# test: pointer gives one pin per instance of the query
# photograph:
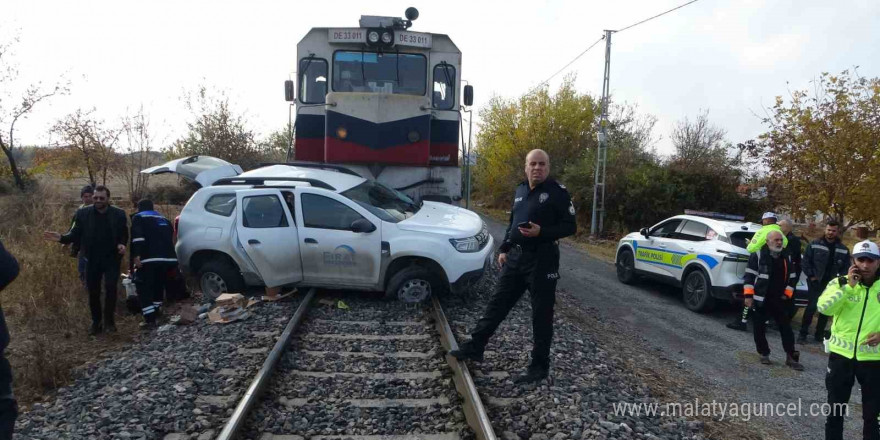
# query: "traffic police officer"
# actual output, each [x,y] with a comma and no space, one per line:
[854,302]
[542,213]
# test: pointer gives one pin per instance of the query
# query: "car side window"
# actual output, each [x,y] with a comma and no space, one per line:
[326,213]
[693,231]
[264,211]
[221,204]
[291,206]
[666,230]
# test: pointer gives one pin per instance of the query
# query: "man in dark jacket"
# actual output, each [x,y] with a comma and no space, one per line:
[793,248]
[85,194]
[826,258]
[102,232]
[542,214]
[768,287]
[8,406]
[152,251]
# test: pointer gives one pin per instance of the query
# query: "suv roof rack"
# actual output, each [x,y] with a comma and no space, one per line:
[318,165]
[715,215]
[260,181]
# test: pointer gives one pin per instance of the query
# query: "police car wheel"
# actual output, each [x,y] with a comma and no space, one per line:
[217,277]
[696,291]
[413,284]
[626,267]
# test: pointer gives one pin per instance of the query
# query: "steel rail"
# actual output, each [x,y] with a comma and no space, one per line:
[474,411]
[234,424]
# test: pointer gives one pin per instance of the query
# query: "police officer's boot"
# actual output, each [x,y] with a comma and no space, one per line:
[738,325]
[535,373]
[469,350]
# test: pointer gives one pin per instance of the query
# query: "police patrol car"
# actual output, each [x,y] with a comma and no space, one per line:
[704,253]
[321,225]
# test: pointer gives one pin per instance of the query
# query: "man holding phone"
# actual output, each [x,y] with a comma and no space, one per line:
[542,214]
[824,260]
[854,302]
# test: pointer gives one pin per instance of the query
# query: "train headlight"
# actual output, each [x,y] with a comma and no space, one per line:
[386,37]
[341,133]
[373,37]
[414,136]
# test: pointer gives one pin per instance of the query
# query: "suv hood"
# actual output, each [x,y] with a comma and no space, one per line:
[440,218]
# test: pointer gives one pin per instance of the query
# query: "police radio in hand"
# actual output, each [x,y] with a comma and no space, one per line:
[854,275]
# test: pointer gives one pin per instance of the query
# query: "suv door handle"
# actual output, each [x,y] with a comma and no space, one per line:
[253,241]
[311,240]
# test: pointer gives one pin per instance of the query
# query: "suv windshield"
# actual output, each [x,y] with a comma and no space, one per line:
[386,203]
[370,72]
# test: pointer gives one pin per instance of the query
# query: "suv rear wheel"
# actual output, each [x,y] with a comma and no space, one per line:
[413,284]
[697,291]
[217,277]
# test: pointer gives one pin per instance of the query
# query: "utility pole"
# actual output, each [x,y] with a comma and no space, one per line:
[470,146]
[598,217]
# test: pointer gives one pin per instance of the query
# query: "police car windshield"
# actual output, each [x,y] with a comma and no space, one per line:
[386,203]
[370,72]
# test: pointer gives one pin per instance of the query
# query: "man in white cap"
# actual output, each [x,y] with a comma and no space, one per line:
[768,220]
[854,302]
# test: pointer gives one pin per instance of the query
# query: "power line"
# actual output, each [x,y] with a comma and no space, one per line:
[542,83]
[658,15]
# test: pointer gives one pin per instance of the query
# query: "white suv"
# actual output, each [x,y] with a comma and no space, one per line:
[704,256]
[321,225]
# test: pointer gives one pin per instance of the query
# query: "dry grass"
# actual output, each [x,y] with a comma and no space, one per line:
[46,307]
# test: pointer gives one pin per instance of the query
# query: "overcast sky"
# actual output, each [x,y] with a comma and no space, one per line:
[730,57]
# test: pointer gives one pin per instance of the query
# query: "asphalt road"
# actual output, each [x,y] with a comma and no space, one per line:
[723,360]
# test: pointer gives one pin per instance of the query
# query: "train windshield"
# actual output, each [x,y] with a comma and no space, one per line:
[370,72]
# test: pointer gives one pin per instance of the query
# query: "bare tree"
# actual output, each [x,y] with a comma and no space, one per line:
[15,107]
[699,145]
[89,142]
[135,153]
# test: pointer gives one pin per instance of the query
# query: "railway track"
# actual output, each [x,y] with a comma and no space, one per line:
[372,371]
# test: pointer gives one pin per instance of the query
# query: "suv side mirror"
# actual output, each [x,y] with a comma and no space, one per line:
[644,232]
[362,225]
[468,95]
[288,91]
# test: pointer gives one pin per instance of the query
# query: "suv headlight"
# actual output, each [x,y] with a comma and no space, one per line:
[472,244]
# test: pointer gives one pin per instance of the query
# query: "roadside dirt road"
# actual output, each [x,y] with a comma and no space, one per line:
[685,356]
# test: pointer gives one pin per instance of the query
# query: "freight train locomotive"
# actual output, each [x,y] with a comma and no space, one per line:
[384,102]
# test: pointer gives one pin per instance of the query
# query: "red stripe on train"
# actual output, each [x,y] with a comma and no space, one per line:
[416,153]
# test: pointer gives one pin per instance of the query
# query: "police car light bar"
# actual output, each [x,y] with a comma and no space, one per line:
[715,215]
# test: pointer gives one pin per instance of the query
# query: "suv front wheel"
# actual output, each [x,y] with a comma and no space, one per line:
[217,277]
[413,284]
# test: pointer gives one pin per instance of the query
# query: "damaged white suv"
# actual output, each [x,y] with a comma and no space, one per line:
[320,225]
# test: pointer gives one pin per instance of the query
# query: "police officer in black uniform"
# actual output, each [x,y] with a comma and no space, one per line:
[542,213]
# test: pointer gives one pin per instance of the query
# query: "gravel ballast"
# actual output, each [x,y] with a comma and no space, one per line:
[181,379]
[185,381]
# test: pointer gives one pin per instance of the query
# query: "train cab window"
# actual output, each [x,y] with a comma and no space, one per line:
[312,80]
[444,86]
[370,72]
